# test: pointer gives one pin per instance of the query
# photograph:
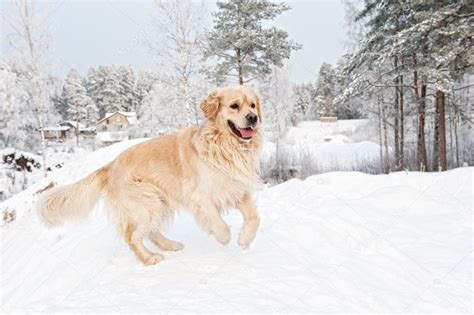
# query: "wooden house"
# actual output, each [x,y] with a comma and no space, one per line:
[117,121]
[66,130]
[115,127]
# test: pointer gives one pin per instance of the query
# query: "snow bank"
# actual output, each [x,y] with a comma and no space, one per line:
[20,204]
[336,242]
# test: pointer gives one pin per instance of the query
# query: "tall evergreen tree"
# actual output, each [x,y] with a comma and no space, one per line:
[80,106]
[303,98]
[112,88]
[243,46]
[325,86]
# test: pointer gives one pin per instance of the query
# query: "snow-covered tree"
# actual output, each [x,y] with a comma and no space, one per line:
[277,94]
[157,117]
[346,108]
[242,45]
[144,85]
[80,107]
[303,94]
[325,85]
[176,46]
[127,88]
[16,120]
[112,88]
[28,38]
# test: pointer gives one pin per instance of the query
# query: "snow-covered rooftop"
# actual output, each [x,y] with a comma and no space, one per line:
[131,116]
[128,114]
[72,123]
[57,128]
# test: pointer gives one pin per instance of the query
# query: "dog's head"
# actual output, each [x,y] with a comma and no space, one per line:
[235,110]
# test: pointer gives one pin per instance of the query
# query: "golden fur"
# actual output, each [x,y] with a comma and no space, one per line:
[205,169]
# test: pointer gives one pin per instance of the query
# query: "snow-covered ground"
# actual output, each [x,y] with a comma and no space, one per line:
[336,242]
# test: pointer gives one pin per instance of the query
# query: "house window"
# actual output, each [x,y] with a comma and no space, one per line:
[107,121]
[104,128]
[119,126]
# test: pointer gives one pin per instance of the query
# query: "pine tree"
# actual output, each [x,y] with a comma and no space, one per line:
[325,86]
[60,104]
[143,87]
[243,47]
[112,98]
[127,88]
[112,88]
[94,85]
[80,106]
[303,98]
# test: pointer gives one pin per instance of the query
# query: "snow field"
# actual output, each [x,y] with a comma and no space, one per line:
[335,242]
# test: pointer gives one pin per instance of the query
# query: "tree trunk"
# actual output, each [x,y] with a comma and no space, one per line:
[421,102]
[77,125]
[451,140]
[385,137]
[456,118]
[380,132]
[240,67]
[396,124]
[435,158]
[43,145]
[27,28]
[440,105]
[440,111]
[187,106]
[401,162]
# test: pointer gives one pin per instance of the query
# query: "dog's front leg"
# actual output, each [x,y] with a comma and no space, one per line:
[210,220]
[251,221]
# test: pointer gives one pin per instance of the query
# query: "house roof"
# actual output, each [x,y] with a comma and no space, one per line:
[56,128]
[131,117]
[72,123]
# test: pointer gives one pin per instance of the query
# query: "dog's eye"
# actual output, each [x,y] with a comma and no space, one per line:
[253,105]
[234,106]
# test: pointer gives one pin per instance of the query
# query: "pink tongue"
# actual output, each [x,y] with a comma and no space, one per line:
[246,133]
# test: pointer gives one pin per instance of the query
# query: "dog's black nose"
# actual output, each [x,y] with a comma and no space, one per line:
[251,118]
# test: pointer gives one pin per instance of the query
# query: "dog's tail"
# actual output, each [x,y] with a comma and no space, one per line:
[73,201]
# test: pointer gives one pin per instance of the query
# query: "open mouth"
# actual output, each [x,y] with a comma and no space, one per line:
[243,133]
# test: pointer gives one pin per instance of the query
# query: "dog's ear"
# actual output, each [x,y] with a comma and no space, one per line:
[259,108]
[210,105]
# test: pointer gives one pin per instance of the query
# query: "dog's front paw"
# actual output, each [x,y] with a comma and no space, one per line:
[153,259]
[170,245]
[174,246]
[223,236]
[245,238]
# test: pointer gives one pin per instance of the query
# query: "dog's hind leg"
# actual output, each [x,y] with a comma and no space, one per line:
[134,236]
[251,221]
[163,243]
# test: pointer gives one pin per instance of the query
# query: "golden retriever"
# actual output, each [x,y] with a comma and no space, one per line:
[205,169]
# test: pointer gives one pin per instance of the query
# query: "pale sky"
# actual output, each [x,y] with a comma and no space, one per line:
[91,33]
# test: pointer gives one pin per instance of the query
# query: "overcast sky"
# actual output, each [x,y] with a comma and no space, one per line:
[91,33]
